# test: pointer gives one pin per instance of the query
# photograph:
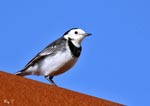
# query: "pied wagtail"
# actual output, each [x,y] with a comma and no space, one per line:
[57,57]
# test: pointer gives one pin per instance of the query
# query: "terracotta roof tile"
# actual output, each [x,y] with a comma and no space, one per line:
[19,91]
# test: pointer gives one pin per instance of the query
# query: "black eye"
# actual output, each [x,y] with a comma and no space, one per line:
[76,32]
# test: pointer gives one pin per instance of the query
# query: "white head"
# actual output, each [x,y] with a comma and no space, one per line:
[76,35]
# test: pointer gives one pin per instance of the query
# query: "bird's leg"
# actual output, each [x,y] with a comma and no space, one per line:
[50,79]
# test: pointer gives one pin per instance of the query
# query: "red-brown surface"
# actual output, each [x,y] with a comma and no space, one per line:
[19,91]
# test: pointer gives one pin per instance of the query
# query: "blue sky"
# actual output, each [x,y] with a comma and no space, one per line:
[115,61]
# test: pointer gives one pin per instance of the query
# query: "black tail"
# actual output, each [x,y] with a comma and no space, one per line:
[21,73]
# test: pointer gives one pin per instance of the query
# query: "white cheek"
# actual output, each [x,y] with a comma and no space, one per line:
[67,36]
[76,39]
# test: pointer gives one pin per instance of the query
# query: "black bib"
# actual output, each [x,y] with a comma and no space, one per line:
[76,51]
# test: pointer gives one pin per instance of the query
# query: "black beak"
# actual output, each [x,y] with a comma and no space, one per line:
[88,34]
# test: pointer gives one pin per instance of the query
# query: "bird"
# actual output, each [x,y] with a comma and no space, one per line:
[58,57]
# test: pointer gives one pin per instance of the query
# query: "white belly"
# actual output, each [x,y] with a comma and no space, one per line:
[57,64]
[54,65]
